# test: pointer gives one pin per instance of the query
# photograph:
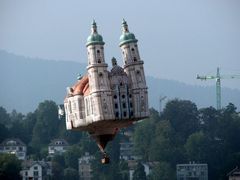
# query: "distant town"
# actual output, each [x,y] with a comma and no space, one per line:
[182,142]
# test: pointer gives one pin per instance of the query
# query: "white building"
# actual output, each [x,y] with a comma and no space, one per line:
[14,146]
[85,170]
[192,171]
[36,170]
[127,151]
[148,166]
[57,146]
[234,174]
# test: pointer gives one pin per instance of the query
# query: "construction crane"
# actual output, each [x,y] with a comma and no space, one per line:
[218,78]
[161,99]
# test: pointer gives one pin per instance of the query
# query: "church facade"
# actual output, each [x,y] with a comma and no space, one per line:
[118,95]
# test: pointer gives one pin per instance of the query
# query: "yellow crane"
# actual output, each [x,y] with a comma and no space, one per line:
[218,78]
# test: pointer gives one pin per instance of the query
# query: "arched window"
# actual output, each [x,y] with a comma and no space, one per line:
[131,113]
[130,104]
[98,51]
[134,59]
[87,107]
[139,76]
[100,74]
[70,106]
[100,79]
[105,106]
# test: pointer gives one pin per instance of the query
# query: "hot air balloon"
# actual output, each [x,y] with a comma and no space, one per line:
[102,102]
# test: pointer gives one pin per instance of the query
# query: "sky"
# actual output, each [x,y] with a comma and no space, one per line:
[178,39]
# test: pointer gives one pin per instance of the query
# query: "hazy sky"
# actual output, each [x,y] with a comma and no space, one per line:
[178,39]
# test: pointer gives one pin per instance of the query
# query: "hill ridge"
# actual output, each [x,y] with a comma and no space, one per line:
[25,82]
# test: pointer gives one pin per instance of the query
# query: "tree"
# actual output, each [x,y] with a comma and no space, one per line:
[71,156]
[124,170]
[59,159]
[17,130]
[72,137]
[47,123]
[209,120]
[15,116]
[28,125]
[163,171]
[183,116]
[139,173]
[57,171]
[70,173]
[162,146]
[4,133]
[113,149]
[4,117]
[10,167]
[143,135]
[197,147]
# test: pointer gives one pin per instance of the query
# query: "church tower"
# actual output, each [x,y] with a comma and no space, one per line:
[99,104]
[133,66]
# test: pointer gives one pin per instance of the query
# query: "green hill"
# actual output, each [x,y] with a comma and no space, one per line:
[27,81]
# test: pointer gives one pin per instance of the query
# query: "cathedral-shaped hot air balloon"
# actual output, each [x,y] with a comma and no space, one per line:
[102,102]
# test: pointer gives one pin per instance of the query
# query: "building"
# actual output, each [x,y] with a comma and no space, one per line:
[102,95]
[57,146]
[14,146]
[234,174]
[192,171]
[85,170]
[126,151]
[148,166]
[36,170]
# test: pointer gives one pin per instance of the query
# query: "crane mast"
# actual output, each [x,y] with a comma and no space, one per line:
[218,78]
[218,89]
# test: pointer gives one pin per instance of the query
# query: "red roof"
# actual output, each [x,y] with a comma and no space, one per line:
[81,87]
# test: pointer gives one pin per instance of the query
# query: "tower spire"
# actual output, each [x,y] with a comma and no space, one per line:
[114,62]
[94,27]
[124,26]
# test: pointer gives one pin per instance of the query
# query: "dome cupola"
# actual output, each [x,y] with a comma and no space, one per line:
[126,36]
[94,38]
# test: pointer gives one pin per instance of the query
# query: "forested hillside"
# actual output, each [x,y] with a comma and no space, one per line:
[27,81]
[183,133]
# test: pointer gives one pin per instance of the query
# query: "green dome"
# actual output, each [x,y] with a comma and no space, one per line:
[127,37]
[94,38]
